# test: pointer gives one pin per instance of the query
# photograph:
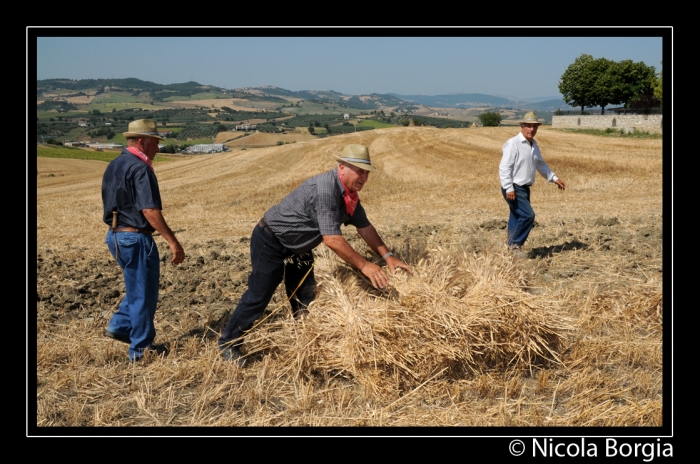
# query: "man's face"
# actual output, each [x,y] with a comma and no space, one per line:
[353,177]
[529,130]
[149,146]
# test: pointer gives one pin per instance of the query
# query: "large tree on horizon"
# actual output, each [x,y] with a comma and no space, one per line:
[601,82]
[576,82]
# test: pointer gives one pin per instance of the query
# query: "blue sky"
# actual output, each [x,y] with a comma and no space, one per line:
[524,67]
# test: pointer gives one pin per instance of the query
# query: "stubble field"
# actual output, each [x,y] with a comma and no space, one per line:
[571,336]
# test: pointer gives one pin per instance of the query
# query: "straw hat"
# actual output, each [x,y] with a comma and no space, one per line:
[357,155]
[530,118]
[142,128]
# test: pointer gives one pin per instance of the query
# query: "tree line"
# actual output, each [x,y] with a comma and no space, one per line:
[589,82]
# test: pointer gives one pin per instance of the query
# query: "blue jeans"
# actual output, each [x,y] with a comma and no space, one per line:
[522,217]
[138,257]
[268,257]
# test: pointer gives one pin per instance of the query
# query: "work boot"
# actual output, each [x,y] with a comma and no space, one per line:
[118,337]
[157,350]
[232,353]
[518,253]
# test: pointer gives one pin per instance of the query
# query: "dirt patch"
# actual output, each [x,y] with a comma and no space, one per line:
[80,284]
[208,284]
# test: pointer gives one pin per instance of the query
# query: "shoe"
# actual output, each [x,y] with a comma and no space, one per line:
[233,354]
[517,252]
[157,349]
[118,337]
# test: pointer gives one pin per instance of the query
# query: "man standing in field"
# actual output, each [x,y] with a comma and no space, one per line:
[282,243]
[132,209]
[521,157]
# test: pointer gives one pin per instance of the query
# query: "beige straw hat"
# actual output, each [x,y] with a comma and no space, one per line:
[530,118]
[142,128]
[357,155]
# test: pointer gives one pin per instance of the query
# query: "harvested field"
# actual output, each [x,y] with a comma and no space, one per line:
[81,100]
[237,104]
[266,139]
[569,337]
[228,136]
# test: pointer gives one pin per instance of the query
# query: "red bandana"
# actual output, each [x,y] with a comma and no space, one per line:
[351,198]
[142,155]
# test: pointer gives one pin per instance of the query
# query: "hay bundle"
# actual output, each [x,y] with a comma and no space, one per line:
[457,315]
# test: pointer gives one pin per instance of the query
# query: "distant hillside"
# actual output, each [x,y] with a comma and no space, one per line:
[167,92]
[301,94]
[548,105]
[456,100]
[156,92]
[364,102]
[472,100]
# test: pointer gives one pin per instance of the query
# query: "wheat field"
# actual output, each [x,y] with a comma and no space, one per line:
[571,336]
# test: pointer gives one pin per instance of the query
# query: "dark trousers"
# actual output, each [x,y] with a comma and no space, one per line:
[268,257]
[522,216]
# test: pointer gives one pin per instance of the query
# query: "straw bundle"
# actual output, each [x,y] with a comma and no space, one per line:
[458,315]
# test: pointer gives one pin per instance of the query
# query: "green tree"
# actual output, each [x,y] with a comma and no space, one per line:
[168,149]
[606,74]
[490,118]
[601,82]
[577,81]
[659,87]
[633,84]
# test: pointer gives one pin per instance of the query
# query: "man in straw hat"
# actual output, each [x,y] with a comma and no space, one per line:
[132,209]
[282,243]
[521,156]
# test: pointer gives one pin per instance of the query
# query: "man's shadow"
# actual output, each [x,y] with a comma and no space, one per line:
[548,252]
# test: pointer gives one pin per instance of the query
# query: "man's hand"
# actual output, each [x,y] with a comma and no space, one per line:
[560,183]
[393,263]
[375,274]
[343,249]
[177,251]
[154,216]
[510,196]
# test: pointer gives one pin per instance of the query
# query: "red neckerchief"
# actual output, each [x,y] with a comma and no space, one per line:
[142,155]
[351,198]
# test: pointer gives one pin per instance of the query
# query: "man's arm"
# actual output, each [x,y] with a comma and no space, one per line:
[154,216]
[548,174]
[343,249]
[506,167]
[372,271]
[371,237]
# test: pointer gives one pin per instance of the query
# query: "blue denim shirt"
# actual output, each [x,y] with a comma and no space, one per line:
[129,186]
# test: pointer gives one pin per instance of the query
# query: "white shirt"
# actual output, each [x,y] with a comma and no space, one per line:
[519,163]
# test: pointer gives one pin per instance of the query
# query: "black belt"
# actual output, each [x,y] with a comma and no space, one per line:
[263,225]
